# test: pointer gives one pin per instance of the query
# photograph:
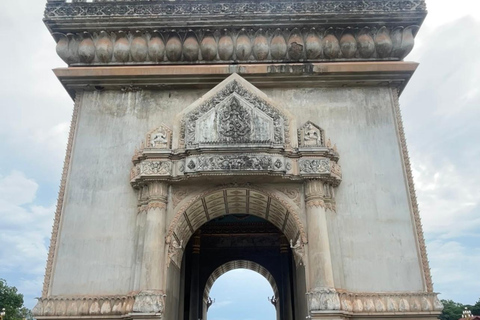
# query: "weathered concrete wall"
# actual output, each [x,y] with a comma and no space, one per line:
[97,236]
[372,236]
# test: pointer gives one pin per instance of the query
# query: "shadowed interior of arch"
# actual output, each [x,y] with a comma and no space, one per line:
[238,241]
[236,201]
[242,293]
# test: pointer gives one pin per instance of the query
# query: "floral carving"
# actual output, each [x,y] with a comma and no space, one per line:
[280,122]
[232,162]
[314,166]
[156,167]
[293,193]
[234,121]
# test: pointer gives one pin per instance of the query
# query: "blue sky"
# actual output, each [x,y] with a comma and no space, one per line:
[441,111]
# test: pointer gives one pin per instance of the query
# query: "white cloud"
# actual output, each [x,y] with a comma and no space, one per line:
[455,270]
[16,189]
[449,200]
[25,227]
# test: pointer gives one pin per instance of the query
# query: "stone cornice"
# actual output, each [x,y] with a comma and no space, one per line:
[339,74]
[69,17]
[264,44]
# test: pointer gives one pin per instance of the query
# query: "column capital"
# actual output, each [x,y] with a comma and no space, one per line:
[314,193]
[157,194]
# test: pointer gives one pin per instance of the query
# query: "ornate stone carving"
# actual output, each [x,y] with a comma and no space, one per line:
[84,305]
[174,248]
[178,195]
[310,135]
[239,162]
[412,193]
[159,138]
[255,120]
[308,166]
[149,302]
[234,121]
[330,299]
[324,299]
[293,193]
[59,9]
[298,251]
[156,168]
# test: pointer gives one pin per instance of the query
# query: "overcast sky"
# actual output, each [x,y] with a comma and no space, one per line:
[441,111]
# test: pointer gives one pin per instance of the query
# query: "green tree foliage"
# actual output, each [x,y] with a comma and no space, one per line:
[12,301]
[453,310]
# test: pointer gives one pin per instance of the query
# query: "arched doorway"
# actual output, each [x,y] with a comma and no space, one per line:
[237,241]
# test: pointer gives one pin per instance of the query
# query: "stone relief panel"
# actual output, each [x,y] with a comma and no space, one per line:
[314,166]
[234,121]
[238,162]
[311,135]
[159,138]
[234,115]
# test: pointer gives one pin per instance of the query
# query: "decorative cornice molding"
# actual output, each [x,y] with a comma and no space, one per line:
[412,194]
[61,195]
[329,299]
[187,46]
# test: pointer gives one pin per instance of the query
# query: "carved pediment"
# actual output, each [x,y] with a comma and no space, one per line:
[233,113]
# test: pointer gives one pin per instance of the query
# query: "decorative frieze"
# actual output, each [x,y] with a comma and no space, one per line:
[357,303]
[238,162]
[235,45]
[109,8]
[84,305]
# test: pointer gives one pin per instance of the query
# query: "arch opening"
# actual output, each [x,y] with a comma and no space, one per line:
[230,201]
[242,293]
[233,241]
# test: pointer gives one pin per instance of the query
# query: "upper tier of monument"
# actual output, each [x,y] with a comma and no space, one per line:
[232,31]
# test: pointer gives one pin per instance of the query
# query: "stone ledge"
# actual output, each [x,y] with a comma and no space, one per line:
[334,74]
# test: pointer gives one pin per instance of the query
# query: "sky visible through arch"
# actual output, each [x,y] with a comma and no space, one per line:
[441,112]
[241,294]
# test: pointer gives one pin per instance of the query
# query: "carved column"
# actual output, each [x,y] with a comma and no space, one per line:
[322,295]
[151,297]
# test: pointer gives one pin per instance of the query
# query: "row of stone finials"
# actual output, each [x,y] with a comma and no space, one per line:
[262,45]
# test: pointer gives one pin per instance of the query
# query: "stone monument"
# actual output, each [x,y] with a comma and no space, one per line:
[214,135]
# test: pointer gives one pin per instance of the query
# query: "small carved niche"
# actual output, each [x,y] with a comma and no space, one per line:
[159,138]
[311,135]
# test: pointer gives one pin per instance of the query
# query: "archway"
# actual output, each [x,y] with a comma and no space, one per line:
[245,229]
[245,291]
